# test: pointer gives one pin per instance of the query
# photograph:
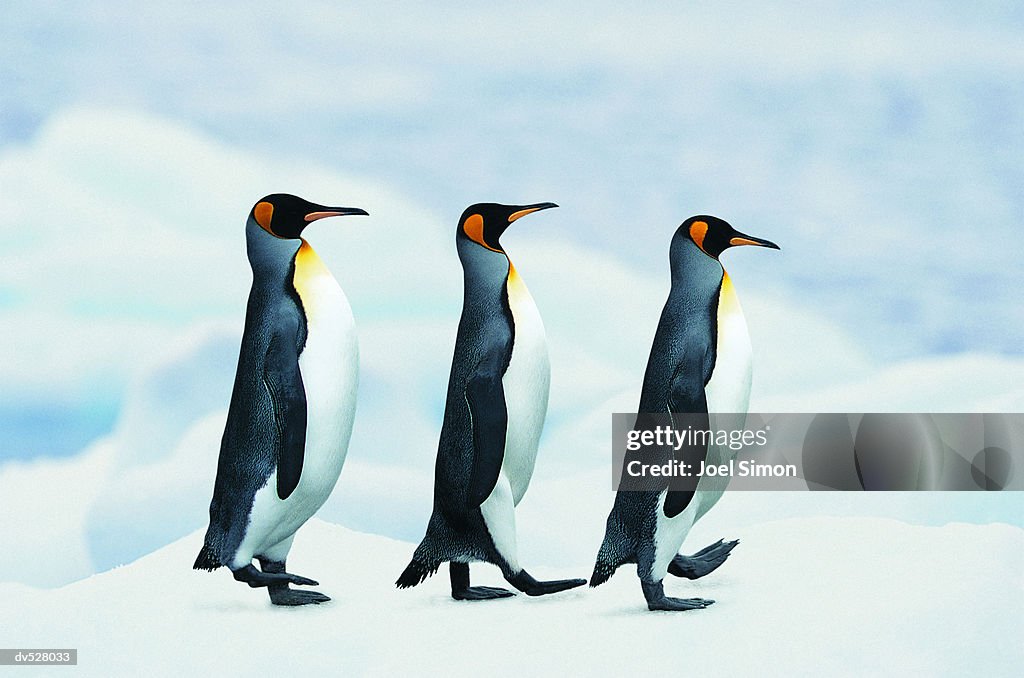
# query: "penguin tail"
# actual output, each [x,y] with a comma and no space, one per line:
[428,556]
[603,571]
[609,558]
[415,573]
[207,560]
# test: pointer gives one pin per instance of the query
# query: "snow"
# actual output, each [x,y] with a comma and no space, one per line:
[798,596]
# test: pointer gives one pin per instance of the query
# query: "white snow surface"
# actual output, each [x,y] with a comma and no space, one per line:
[802,596]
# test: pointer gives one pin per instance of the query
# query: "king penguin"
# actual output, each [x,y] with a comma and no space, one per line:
[496,404]
[700,362]
[292,406]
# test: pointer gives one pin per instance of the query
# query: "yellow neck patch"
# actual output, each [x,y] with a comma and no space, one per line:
[728,302]
[515,286]
[309,268]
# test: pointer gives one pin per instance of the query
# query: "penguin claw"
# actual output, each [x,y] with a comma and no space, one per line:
[703,562]
[481,593]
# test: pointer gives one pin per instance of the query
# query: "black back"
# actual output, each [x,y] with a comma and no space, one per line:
[267,390]
[679,367]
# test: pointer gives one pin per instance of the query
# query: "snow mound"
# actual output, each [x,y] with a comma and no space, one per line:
[809,596]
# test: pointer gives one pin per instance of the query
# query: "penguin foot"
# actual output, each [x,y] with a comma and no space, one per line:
[279,592]
[255,579]
[481,593]
[657,600]
[531,587]
[703,562]
[282,595]
[461,590]
[678,604]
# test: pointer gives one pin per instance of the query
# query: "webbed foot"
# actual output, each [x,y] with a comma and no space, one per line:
[461,590]
[255,579]
[657,600]
[703,562]
[481,593]
[531,587]
[280,593]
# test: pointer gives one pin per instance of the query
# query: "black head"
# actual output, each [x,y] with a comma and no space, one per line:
[284,216]
[713,235]
[484,223]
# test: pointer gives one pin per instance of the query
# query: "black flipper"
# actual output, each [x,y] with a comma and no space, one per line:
[284,382]
[703,562]
[461,590]
[486,397]
[688,405]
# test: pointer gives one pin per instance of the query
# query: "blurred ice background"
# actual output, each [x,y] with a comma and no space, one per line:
[880,146]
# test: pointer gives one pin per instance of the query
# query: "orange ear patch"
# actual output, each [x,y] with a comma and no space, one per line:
[698,230]
[263,212]
[474,228]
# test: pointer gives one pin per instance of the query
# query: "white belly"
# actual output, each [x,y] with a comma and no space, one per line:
[728,391]
[329,365]
[728,395]
[330,374]
[729,388]
[526,383]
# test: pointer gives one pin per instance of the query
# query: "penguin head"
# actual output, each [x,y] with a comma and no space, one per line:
[712,236]
[284,216]
[484,223]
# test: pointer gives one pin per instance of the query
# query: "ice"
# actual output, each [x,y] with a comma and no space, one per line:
[806,596]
